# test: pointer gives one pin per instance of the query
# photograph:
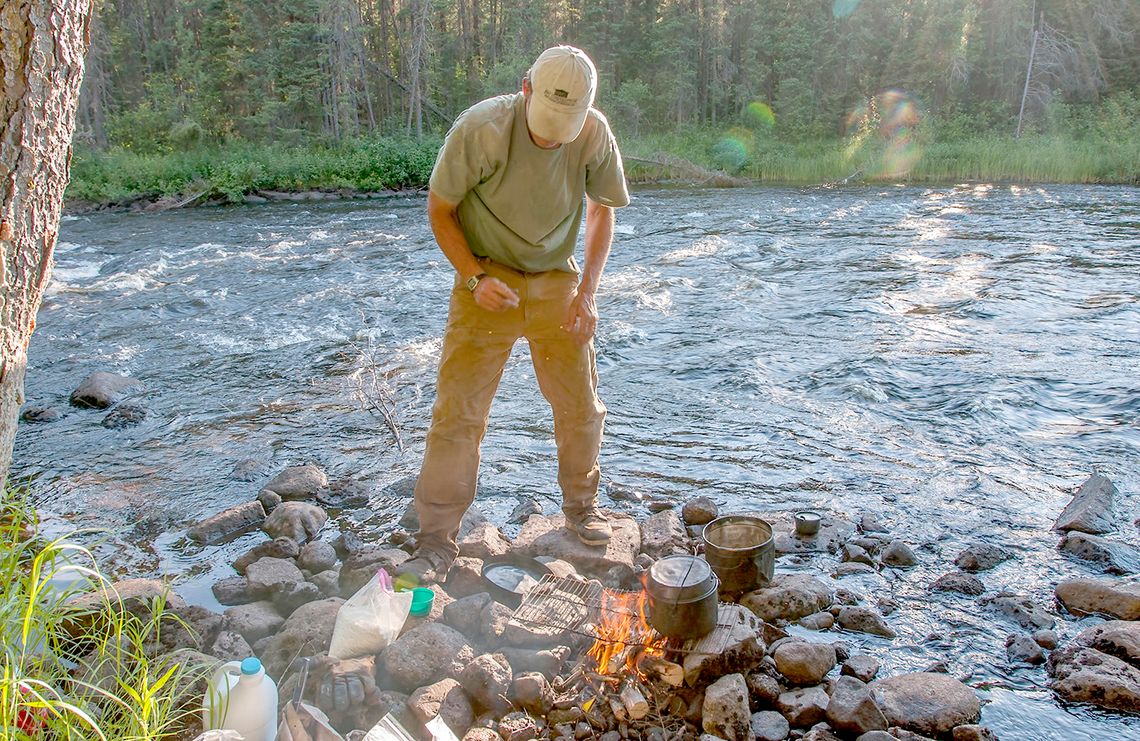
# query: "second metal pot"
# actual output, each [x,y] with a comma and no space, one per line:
[741,551]
[682,597]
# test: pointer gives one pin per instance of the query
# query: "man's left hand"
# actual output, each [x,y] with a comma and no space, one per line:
[582,317]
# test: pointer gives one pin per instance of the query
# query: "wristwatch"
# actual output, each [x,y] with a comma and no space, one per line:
[473,282]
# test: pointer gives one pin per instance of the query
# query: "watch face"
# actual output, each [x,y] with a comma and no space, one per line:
[472,282]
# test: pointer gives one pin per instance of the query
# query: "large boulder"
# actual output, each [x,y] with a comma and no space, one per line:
[788,597]
[548,536]
[426,654]
[307,631]
[852,708]
[803,707]
[101,390]
[739,651]
[802,662]
[254,621]
[1119,638]
[445,699]
[925,702]
[299,521]
[1111,556]
[1082,674]
[725,712]
[1112,597]
[663,534]
[268,576]
[363,564]
[1090,510]
[485,541]
[487,680]
[299,483]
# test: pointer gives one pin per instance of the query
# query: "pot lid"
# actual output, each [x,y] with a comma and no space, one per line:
[679,572]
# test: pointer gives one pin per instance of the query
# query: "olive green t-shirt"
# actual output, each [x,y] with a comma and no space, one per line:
[520,204]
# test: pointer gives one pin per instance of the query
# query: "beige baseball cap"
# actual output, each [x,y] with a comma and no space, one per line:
[563,81]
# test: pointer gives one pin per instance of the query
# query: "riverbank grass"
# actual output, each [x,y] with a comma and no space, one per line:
[85,674]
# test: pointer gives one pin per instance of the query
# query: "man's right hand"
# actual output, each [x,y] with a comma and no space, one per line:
[493,294]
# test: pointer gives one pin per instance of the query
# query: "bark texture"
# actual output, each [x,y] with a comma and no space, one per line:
[42,44]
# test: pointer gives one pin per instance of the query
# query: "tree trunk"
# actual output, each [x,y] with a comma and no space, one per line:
[42,44]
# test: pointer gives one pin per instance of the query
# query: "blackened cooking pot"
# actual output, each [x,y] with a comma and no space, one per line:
[682,597]
[741,551]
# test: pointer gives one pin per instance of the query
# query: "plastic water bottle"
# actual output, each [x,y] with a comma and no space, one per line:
[243,698]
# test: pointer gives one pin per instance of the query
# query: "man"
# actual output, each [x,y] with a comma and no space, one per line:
[505,205]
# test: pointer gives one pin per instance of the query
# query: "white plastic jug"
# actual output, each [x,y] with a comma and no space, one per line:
[243,698]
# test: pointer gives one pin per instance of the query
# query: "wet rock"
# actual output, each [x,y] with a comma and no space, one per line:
[308,631]
[971,732]
[532,692]
[864,620]
[426,654]
[125,415]
[855,554]
[1111,556]
[899,555]
[548,536]
[286,548]
[768,725]
[804,663]
[1083,674]
[851,568]
[1045,638]
[524,509]
[288,597]
[762,689]
[253,621]
[232,590]
[228,522]
[803,707]
[699,511]
[981,557]
[487,680]
[445,699]
[833,533]
[788,597]
[299,483]
[299,521]
[483,542]
[818,621]
[247,469]
[937,667]
[316,556]
[1119,638]
[863,667]
[743,648]
[1090,510]
[268,575]
[128,596]
[101,390]
[1022,609]
[959,581]
[269,500]
[1021,649]
[924,702]
[1112,597]
[659,504]
[41,414]
[725,711]
[873,544]
[871,523]
[852,709]
[364,563]
[663,535]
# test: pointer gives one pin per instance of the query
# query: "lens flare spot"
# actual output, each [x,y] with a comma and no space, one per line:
[731,152]
[885,127]
[844,8]
[759,115]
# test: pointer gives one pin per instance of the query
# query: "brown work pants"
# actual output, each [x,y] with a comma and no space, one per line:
[476,345]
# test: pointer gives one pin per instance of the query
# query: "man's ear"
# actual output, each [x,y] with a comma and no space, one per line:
[526,88]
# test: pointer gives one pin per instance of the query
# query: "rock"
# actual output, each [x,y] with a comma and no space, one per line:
[547,662]
[762,689]
[363,563]
[497,624]
[299,483]
[228,522]
[288,597]
[725,711]
[128,596]
[247,469]
[524,509]
[1021,649]
[851,568]
[253,621]
[788,597]
[804,663]
[855,554]
[531,692]
[1112,597]
[1112,557]
[317,556]
[483,542]
[328,582]
[410,521]
[285,548]
[925,702]
[268,575]
[959,581]
[863,667]
[306,632]
[818,621]
[1046,638]
[981,557]
[971,732]
[833,533]
[464,614]
[465,577]
[487,680]
[518,727]
[426,654]
[101,390]
[445,699]
[870,523]
[1021,609]
[899,555]
[124,415]
[768,725]
[41,414]
[481,734]
[852,709]
[663,534]
[820,733]
[230,646]
[1082,674]
[864,620]
[699,510]
[803,707]
[548,536]
[877,736]
[743,647]
[1119,638]
[299,521]
[1090,510]
[269,500]
[233,590]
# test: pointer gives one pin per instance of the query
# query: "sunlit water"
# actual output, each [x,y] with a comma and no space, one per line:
[954,360]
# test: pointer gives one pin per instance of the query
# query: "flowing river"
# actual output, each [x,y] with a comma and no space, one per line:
[951,360]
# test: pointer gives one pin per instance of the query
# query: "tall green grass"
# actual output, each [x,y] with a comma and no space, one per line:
[99,673]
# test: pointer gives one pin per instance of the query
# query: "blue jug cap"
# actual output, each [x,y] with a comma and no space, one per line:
[252,665]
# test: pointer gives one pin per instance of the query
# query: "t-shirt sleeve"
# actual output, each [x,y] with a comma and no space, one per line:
[460,165]
[605,174]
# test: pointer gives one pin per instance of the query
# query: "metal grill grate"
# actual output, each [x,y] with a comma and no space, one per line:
[569,605]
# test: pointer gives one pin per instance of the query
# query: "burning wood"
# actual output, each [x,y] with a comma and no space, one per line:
[636,706]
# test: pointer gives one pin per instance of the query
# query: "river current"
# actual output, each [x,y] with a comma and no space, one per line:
[952,360]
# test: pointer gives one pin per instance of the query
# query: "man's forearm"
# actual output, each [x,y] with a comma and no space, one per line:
[599,237]
[449,236]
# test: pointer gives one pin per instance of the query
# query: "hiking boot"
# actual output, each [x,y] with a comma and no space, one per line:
[591,527]
[424,568]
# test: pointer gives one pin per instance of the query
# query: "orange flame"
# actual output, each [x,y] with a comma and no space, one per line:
[623,624]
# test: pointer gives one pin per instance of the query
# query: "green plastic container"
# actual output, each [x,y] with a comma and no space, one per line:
[422,599]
